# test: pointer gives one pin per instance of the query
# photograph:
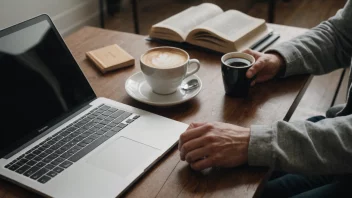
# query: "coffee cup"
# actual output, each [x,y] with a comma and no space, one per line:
[164,68]
[234,66]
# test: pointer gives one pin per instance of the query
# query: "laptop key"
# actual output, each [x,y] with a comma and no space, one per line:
[31,171]
[49,166]
[36,152]
[19,163]
[47,159]
[39,173]
[129,120]
[53,155]
[66,147]
[107,113]
[23,169]
[43,154]
[116,129]
[65,164]
[37,158]
[74,149]
[117,114]
[112,109]
[94,136]
[100,132]
[14,167]
[29,156]
[60,151]
[82,144]
[88,140]
[109,119]
[79,138]
[31,163]
[52,173]
[66,139]
[44,179]
[110,134]
[104,107]
[66,155]
[40,164]
[58,169]
[58,160]
[122,125]
[88,149]
[49,151]
[23,160]
[136,116]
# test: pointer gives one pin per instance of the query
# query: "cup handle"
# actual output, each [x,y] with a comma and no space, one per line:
[191,61]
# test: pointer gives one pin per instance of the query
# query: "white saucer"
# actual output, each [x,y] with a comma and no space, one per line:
[138,88]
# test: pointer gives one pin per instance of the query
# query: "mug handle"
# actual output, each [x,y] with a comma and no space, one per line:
[191,61]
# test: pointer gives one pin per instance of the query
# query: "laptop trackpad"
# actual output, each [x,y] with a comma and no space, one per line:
[124,157]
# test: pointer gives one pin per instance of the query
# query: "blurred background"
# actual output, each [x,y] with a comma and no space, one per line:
[70,15]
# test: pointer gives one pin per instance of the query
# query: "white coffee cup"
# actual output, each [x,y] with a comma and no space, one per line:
[165,68]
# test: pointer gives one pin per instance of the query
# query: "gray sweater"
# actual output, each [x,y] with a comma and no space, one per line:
[304,147]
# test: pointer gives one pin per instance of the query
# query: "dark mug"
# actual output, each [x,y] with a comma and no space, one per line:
[234,66]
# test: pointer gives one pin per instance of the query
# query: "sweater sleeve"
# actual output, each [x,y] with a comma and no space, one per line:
[322,49]
[324,147]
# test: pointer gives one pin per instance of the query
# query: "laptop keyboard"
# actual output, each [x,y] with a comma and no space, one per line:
[60,151]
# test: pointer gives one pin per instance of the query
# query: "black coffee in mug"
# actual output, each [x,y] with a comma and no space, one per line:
[237,62]
[234,67]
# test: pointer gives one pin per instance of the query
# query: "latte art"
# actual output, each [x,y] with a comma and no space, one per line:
[164,58]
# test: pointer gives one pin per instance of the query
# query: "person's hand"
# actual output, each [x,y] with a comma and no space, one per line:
[265,67]
[205,145]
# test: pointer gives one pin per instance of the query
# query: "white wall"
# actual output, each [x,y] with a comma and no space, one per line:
[68,15]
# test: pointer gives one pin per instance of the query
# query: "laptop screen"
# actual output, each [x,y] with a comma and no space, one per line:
[44,81]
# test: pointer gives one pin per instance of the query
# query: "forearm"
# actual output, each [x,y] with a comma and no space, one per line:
[304,147]
[321,49]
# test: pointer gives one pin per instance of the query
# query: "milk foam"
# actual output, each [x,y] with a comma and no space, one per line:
[164,58]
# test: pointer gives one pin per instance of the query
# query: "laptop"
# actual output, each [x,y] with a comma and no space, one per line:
[58,138]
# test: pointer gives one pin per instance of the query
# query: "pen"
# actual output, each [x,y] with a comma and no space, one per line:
[261,40]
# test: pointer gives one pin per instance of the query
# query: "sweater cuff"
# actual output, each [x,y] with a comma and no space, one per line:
[260,150]
[291,57]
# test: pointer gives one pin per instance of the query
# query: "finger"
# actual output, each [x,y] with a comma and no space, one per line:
[256,54]
[253,83]
[197,154]
[191,134]
[190,146]
[257,66]
[203,164]
[195,125]
[262,78]
[191,126]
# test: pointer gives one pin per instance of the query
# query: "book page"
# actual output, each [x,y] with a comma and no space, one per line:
[183,22]
[231,25]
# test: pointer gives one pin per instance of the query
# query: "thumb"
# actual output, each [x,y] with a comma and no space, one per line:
[257,66]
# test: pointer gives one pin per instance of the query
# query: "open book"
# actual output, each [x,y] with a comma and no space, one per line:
[208,26]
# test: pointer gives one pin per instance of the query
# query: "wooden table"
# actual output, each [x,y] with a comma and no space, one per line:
[268,102]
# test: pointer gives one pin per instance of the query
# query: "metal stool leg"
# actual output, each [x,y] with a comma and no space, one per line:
[135,16]
[271,11]
[101,7]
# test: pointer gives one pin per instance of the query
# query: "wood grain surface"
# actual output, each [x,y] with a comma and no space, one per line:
[170,177]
